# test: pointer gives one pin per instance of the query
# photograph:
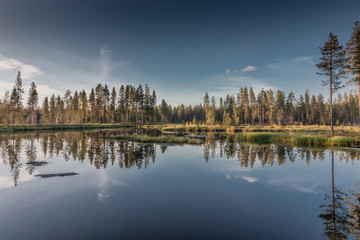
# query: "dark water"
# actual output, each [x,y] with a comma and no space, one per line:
[218,190]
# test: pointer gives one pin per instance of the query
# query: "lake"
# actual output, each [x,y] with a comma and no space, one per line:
[220,189]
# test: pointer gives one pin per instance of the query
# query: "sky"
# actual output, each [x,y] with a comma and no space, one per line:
[182,49]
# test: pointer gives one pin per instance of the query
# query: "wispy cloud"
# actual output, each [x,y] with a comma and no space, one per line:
[298,184]
[11,65]
[104,185]
[246,69]
[107,64]
[292,65]
[104,51]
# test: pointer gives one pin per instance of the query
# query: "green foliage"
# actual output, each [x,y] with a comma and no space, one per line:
[332,62]
[353,51]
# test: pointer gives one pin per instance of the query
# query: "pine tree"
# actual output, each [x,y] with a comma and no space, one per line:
[261,106]
[32,101]
[270,105]
[112,105]
[121,104]
[163,111]
[321,108]
[92,106]
[245,103]
[84,107]
[353,51]
[52,109]
[45,111]
[307,105]
[210,115]
[280,104]
[252,105]
[206,106]
[19,90]
[12,104]
[289,108]
[153,105]
[333,64]
[140,102]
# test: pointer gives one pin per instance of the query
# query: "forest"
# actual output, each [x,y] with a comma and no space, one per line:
[138,105]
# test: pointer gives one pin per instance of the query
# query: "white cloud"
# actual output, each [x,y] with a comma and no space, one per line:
[11,66]
[248,179]
[246,69]
[249,69]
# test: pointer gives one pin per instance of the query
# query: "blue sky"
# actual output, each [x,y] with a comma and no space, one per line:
[180,48]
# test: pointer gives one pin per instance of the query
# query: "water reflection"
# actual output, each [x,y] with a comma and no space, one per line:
[335,214]
[353,202]
[100,151]
[28,154]
[248,154]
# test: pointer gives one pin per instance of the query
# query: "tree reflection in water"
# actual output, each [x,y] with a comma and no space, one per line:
[353,202]
[340,212]
[100,151]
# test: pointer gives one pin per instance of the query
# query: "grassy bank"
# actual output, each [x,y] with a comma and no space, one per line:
[300,139]
[158,139]
[311,129]
[57,127]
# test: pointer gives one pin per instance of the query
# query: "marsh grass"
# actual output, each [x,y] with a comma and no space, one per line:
[309,129]
[158,139]
[299,139]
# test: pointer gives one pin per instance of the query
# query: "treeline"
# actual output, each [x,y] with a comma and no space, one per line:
[137,105]
[271,108]
[128,104]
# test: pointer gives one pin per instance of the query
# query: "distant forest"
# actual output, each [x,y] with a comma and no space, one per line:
[138,105]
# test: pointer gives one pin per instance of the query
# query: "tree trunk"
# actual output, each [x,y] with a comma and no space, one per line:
[331,113]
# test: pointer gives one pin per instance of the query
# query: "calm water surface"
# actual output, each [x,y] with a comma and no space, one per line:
[218,190]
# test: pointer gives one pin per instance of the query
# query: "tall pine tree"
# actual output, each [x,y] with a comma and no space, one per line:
[333,64]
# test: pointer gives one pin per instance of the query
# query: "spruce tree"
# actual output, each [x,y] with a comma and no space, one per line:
[45,111]
[19,90]
[333,64]
[32,101]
